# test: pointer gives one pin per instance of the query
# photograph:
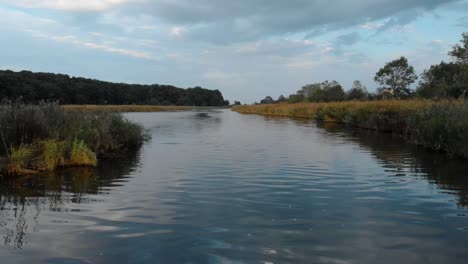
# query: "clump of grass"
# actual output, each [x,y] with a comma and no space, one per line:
[438,125]
[78,154]
[49,154]
[18,159]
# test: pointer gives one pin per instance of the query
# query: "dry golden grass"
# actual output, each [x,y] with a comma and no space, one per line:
[334,110]
[439,125]
[126,108]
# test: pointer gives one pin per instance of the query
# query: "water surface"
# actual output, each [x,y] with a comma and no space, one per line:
[220,187]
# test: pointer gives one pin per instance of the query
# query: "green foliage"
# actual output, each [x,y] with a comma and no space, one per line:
[446,80]
[396,77]
[460,52]
[332,91]
[357,92]
[321,92]
[35,87]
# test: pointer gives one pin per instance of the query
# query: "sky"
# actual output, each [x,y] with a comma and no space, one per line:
[247,49]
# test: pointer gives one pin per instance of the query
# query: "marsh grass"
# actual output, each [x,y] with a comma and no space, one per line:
[438,125]
[18,159]
[44,137]
[79,154]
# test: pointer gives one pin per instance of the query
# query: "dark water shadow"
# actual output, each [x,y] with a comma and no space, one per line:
[23,199]
[399,156]
[406,159]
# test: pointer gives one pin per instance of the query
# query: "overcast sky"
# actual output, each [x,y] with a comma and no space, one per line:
[246,48]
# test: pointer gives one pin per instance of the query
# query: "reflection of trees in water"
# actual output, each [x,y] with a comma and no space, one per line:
[22,199]
[399,156]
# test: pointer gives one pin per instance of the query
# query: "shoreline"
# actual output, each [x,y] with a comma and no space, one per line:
[136,108]
[436,125]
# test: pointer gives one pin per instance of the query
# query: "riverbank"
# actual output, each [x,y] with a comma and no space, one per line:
[132,108]
[440,126]
[35,138]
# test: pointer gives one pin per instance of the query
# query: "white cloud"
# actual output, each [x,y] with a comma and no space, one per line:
[71,5]
[92,45]
[372,25]
[177,32]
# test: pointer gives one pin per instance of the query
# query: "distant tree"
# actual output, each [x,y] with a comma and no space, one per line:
[267,100]
[313,92]
[441,81]
[447,79]
[237,103]
[460,52]
[332,91]
[357,92]
[281,99]
[296,98]
[396,78]
[36,87]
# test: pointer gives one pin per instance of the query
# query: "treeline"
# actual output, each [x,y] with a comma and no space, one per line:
[447,80]
[32,87]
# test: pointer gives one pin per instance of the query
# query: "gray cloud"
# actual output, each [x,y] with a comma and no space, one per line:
[250,19]
[348,39]
[245,20]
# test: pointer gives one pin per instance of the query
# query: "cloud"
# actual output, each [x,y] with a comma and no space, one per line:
[71,5]
[249,20]
[70,39]
[348,39]
[177,32]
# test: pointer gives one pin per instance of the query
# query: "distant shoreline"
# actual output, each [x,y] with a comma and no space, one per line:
[136,108]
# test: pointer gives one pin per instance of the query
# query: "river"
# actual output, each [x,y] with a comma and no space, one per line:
[221,187]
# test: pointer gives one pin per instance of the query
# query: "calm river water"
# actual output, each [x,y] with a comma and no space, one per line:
[220,187]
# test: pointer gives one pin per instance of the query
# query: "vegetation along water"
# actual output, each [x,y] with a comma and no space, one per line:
[44,137]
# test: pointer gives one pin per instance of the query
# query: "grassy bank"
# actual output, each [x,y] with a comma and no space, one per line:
[44,137]
[441,125]
[133,108]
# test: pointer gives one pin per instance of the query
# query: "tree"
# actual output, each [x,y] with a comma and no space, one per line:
[440,81]
[313,92]
[460,52]
[396,77]
[281,99]
[357,92]
[36,87]
[296,98]
[332,91]
[267,100]
[237,103]
[447,79]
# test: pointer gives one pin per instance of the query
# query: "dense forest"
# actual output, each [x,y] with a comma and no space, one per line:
[32,87]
